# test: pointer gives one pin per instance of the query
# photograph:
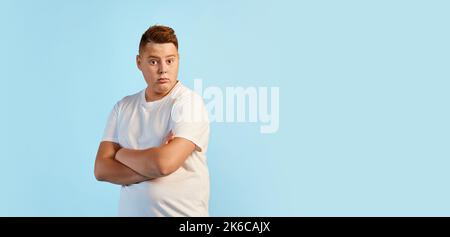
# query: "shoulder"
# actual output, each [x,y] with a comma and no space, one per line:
[128,101]
[183,95]
[188,106]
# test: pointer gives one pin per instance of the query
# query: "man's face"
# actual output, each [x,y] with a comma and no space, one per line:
[159,65]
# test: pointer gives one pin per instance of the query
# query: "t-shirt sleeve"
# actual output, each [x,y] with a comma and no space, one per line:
[111,131]
[189,120]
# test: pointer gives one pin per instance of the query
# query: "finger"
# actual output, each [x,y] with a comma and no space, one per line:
[169,137]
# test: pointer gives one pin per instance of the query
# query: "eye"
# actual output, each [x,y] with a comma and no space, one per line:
[153,62]
[170,61]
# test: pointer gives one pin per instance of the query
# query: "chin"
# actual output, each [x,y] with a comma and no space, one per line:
[162,89]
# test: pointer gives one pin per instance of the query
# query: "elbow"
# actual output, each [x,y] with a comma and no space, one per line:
[98,173]
[98,176]
[164,168]
[158,165]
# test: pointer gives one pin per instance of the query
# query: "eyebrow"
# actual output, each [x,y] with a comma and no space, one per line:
[168,56]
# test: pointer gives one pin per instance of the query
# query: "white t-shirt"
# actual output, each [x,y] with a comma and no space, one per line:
[135,123]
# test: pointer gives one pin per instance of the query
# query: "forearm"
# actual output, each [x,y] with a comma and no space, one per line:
[159,161]
[144,162]
[115,172]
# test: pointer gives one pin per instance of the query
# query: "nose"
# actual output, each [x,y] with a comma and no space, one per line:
[163,68]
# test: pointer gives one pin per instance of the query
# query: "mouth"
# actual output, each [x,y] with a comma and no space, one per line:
[163,80]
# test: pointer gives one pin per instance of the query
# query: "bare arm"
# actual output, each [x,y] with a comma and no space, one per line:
[110,170]
[157,161]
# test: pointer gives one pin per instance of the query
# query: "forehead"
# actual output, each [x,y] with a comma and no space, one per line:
[160,50]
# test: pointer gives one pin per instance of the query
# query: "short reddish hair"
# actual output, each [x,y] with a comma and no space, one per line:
[158,34]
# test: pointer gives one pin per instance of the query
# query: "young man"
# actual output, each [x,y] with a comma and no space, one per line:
[155,141]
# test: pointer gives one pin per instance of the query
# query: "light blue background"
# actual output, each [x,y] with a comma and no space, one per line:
[364,95]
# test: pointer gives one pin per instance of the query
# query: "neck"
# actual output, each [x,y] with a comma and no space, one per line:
[151,95]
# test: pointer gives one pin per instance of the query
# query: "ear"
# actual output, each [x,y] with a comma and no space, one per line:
[138,62]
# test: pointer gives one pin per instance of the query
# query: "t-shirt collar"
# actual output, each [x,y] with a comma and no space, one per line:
[145,103]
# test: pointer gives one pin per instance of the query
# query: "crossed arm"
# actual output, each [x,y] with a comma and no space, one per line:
[127,166]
